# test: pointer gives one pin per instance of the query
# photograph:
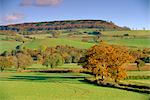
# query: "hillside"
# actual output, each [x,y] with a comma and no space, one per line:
[60,25]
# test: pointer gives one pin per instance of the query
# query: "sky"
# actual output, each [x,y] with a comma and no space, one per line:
[131,13]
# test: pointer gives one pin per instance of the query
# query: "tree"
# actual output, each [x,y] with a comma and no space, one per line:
[23,61]
[106,61]
[5,62]
[53,59]
[140,63]
[56,34]
[6,53]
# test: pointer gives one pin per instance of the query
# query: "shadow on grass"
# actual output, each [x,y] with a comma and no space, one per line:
[68,79]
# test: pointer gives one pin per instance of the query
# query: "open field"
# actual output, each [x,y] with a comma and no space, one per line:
[42,67]
[64,86]
[8,45]
[140,41]
[138,33]
[136,42]
[138,73]
[144,82]
[56,41]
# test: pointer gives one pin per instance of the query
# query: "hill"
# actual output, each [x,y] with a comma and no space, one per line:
[60,25]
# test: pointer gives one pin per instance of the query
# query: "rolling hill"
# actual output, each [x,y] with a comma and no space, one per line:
[67,24]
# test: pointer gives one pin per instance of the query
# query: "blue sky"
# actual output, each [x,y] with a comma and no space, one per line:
[131,13]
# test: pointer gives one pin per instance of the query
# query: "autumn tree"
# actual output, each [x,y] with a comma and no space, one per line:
[5,62]
[23,61]
[106,61]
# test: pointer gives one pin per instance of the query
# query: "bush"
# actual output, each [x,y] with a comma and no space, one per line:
[126,34]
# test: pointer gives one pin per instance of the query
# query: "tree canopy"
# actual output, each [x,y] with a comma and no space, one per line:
[106,61]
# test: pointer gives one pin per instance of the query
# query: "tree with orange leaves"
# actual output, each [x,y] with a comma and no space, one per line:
[106,61]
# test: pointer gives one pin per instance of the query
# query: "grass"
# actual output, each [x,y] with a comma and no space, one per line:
[137,42]
[8,45]
[138,33]
[64,66]
[60,86]
[34,44]
[138,73]
[139,81]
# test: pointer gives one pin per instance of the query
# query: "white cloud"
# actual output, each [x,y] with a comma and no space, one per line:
[40,2]
[11,18]
[14,17]
[48,2]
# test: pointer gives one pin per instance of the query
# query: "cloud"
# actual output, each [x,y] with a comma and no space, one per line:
[14,17]
[26,2]
[40,2]
[48,2]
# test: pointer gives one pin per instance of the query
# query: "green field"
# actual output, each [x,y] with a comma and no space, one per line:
[137,42]
[8,45]
[34,44]
[63,86]
[138,33]
[140,41]
[138,73]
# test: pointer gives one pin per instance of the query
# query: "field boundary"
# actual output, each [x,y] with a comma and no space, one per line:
[123,86]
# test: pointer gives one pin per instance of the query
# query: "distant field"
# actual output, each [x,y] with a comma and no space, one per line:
[34,44]
[62,86]
[8,45]
[140,42]
[40,36]
[133,32]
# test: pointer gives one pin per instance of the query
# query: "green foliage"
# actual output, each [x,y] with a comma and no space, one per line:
[126,34]
[53,60]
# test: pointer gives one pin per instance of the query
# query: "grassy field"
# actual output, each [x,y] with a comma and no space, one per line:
[137,33]
[64,66]
[56,41]
[136,42]
[140,41]
[60,86]
[138,73]
[8,45]
[144,82]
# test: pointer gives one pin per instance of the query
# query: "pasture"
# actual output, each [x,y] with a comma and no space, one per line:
[58,86]
[8,45]
[34,44]
[140,41]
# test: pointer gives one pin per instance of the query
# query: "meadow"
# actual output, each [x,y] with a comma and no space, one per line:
[58,86]
[52,42]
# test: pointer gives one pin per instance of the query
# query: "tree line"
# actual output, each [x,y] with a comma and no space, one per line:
[21,57]
[107,62]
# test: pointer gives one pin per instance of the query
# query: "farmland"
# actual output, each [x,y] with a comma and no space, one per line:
[64,86]
[140,41]
[54,42]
